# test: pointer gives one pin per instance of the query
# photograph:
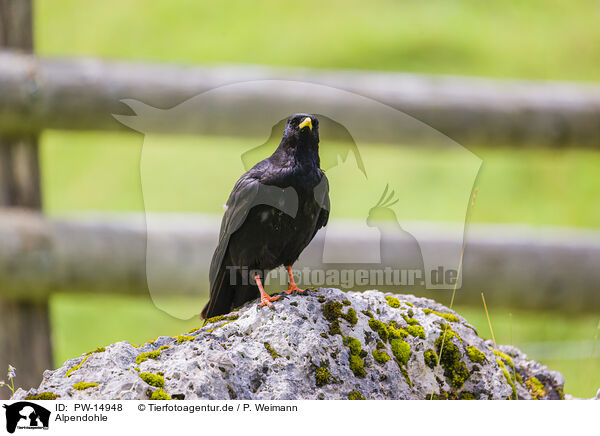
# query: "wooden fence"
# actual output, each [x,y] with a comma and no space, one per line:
[24,323]
[515,265]
[39,256]
[82,94]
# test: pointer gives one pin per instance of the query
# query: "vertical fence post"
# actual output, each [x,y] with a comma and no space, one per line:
[24,325]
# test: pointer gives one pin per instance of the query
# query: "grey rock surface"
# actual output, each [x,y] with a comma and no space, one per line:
[324,344]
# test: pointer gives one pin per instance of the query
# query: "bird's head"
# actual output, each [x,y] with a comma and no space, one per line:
[383,211]
[302,129]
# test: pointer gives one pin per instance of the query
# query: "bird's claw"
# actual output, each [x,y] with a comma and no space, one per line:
[266,301]
[294,288]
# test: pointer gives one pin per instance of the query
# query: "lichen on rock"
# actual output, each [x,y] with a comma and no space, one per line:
[323,344]
[83,385]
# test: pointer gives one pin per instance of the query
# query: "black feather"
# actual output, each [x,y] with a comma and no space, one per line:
[272,214]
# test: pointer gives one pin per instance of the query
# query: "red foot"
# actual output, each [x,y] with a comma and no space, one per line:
[265,299]
[293,286]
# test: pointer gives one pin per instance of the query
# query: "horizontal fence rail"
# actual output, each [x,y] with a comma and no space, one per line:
[81,94]
[518,266]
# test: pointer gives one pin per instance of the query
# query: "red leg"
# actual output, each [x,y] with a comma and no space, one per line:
[265,299]
[293,286]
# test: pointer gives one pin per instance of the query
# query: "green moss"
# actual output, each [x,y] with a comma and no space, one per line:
[393,302]
[380,328]
[430,358]
[332,310]
[271,351]
[215,328]
[410,321]
[475,355]
[354,345]
[510,381]
[233,317]
[346,302]
[76,367]
[155,380]
[43,396]
[503,360]
[357,366]
[355,395]
[350,316]
[334,328]
[447,334]
[324,335]
[215,319]
[466,396]
[505,357]
[160,394]
[97,350]
[182,338]
[82,386]
[322,376]
[380,356]
[401,351]
[536,388]
[447,316]
[293,303]
[356,363]
[396,332]
[416,330]
[367,313]
[454,369]
[142,357]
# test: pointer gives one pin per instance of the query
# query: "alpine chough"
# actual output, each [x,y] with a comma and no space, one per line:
[272,214]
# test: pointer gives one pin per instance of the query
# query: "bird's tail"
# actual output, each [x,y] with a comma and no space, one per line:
[226,294]
[221,295]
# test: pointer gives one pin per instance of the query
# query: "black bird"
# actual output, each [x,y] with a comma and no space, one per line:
[272,214]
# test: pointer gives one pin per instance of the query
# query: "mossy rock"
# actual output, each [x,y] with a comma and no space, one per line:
[328,344]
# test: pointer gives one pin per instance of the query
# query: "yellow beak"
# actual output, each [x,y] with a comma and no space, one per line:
[305,122]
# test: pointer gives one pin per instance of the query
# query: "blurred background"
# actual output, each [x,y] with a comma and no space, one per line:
[540,57]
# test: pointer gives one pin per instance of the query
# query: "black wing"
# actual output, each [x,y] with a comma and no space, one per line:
[247,193]
[322,198]
[239,203]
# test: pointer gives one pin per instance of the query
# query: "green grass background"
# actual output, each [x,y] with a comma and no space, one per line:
[541,39]
[537,39]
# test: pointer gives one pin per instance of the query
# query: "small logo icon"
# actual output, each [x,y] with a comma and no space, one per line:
[26,415]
